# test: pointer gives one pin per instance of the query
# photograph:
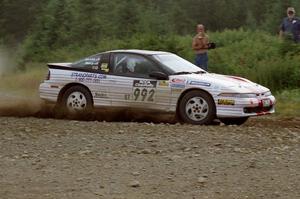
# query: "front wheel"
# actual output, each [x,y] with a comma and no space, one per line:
[234,121]
[197,107]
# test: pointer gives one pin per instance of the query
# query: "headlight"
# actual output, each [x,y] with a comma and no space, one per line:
[239,95]
[267,94]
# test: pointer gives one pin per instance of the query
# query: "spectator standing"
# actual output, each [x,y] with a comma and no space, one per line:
[290,26]
[200,46]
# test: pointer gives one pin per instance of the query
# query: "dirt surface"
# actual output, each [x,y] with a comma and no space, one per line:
[48,158]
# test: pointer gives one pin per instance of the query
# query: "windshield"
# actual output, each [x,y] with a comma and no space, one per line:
[177,64]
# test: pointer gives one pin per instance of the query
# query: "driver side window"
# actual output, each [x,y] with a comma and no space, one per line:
[133,65]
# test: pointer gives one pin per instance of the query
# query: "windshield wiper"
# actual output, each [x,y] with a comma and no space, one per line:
[182,73]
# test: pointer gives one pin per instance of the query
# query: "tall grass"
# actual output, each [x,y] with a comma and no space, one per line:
[288,103]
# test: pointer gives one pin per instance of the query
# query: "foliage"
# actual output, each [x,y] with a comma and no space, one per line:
[257,56]
[288,102]
[80,19]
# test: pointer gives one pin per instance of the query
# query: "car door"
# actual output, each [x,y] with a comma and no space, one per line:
[132,86]
[101,91]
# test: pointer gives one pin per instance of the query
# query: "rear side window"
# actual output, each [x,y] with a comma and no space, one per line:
[99,63]
[91,62]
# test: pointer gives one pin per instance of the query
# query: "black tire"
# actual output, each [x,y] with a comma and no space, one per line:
[234,121]
[77,103]
[197,107]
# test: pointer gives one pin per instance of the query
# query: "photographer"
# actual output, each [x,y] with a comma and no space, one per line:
[200,46]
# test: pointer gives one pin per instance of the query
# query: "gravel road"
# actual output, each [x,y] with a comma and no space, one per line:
[48,158]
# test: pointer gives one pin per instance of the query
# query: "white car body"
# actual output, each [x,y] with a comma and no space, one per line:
[233,96]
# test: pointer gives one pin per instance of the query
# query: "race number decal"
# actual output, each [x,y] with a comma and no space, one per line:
[144,90]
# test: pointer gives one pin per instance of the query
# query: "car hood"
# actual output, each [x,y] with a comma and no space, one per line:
[224,83]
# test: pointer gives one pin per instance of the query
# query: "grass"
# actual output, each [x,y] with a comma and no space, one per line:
[288,103]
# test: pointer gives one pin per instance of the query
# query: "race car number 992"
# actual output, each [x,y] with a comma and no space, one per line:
[144,94]
[144,90]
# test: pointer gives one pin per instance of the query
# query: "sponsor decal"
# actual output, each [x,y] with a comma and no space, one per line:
[178,86]
[91,75]
[91,61]
[100,95]
[226,102]
[163,83]
[88,77]
[178,81]
[198,83]
[176,90]
[144,83]
[95,67]
[94,59]
[104,67]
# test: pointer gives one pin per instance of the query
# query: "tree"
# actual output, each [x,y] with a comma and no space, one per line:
[17,18]
[127,19]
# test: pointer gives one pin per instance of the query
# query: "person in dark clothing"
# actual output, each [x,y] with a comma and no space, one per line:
[290,26]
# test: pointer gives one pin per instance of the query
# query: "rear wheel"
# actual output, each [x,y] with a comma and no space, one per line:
[197,107]
[77,102]
[234,121]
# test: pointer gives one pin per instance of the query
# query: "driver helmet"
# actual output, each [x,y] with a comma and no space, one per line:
[131,65]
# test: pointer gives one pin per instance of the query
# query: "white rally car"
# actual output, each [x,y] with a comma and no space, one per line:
[156,81]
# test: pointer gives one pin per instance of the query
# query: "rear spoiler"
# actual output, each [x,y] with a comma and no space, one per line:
[55,65]
[68,66]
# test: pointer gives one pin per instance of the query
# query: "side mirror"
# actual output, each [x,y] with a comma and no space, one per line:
[159,75]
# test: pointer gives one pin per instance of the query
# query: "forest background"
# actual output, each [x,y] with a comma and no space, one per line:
[33,33]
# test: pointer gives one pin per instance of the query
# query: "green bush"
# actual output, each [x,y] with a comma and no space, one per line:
[258,56]
[255,55]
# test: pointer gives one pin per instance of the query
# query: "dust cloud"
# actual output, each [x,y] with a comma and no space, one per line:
[14,102]
[7,62]
[16,105]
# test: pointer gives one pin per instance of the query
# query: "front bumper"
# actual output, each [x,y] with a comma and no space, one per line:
[244,107]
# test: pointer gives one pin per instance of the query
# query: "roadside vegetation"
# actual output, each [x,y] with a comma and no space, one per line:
[288,103]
